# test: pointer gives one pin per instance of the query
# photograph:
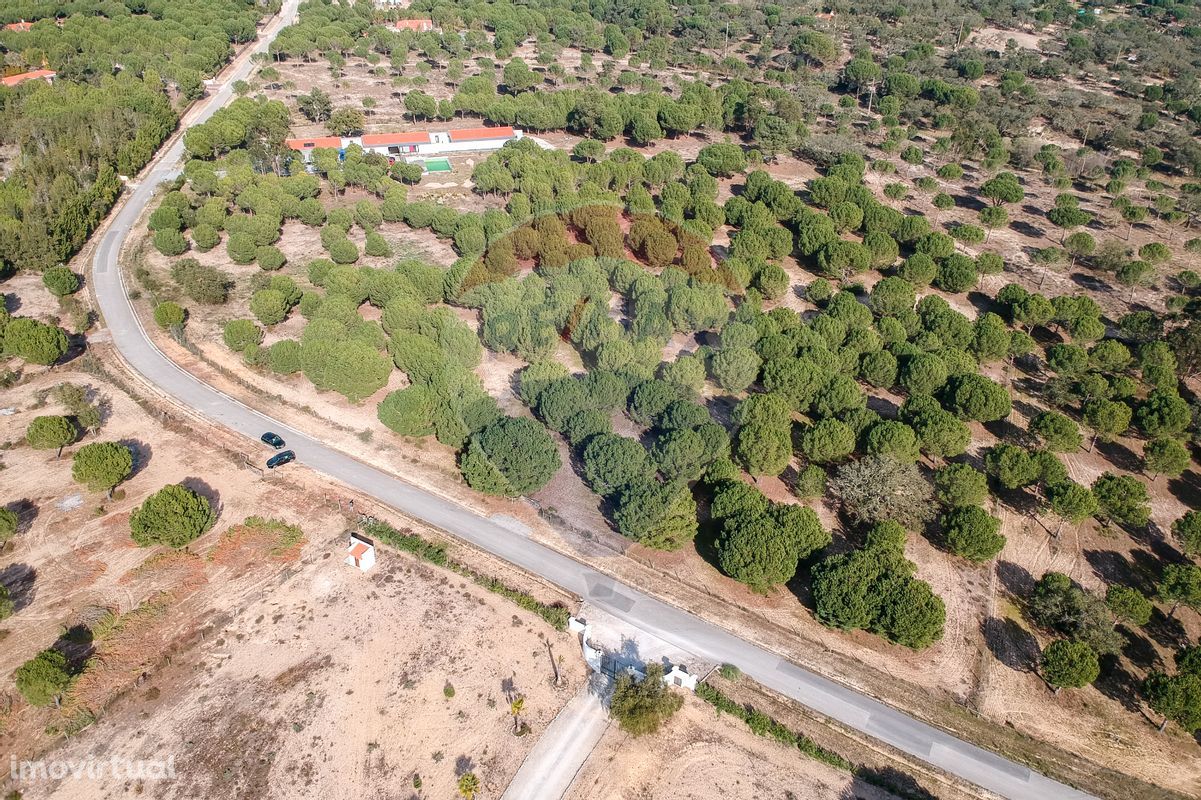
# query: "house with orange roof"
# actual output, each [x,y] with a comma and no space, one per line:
[360,552]
[411,145]
[21,26]
[415,25]
[46,75]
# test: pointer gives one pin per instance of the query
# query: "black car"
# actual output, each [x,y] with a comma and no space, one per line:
[272,439]
[279,459]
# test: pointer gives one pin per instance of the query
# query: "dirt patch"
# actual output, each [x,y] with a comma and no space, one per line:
[703,756]
[337,679]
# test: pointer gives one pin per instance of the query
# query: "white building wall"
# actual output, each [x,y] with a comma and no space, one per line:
[440,144]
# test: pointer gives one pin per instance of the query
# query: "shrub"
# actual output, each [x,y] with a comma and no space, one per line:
[36,342]
[241,333]
[170,243]
[269,257]
[42,679]
[205,237]
[241,248]
[283,357]
[9,522]
[1070,664]
[169,315]
[269,306]
[61,281]
[102,465]
[343,251]
[50,432]
[203,284]
[174,515]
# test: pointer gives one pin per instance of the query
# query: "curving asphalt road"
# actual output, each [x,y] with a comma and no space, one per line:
[679,628]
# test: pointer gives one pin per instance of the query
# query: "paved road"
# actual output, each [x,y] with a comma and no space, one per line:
[669,623]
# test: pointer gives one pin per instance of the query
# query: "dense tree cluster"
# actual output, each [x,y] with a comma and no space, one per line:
[761,543]
[873,588]
[106,113]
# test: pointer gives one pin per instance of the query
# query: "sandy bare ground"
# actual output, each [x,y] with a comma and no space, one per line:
[255,667]
[342,684]
[702,756]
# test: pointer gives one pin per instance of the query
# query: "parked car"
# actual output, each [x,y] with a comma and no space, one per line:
[279,459]
[273,439]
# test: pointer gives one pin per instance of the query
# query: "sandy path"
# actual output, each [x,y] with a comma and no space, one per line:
[555,761]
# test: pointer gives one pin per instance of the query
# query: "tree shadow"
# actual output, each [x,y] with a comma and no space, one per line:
[1024,501]
[20,580]
[77,643]
[707,534]
[141,452]
[1114,568]
[1187,488]
[981,302]
[1166,632]
[1004,430]
[721,409]
[206,491]
[1120,456]
[1139,650]
[76,345]
[1118,683]
[1016,579]
[869,780]
[463,765]
[970,202]
[1010,643]
[1024,228]
[26,511]
[12,302]
[1090,283]
[883,406]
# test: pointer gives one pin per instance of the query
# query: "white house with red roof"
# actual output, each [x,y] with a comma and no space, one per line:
[360,552]
[413,143]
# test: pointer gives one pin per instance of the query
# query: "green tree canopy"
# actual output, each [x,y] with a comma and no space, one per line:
[1068,664]
[102,465]
[612,462]
[641,707]
[42,679]
[50,432]
[1123,499]
[174,515]
[510,457]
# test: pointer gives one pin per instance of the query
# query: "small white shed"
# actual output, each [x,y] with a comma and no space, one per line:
[360,552]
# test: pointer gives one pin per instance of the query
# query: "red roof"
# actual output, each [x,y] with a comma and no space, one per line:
[385,139]
[319,141]
[358,550]
[476,134]
[420,25]
[18,26]
[13,80]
